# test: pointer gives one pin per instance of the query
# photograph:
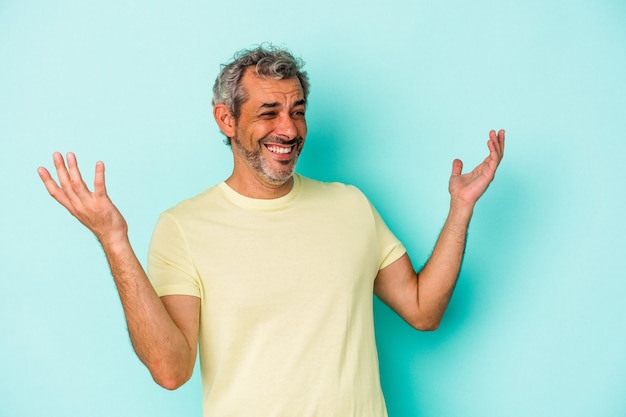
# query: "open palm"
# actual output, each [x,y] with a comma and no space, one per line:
[467,188]
[93,209]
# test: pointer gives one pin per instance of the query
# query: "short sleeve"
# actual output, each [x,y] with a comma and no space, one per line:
[170,266]
[391,249]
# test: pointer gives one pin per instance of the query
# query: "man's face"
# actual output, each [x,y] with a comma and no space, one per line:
[271,128]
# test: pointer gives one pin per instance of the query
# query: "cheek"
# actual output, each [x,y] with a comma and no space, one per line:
[260,131]
[250,136]
[302,129]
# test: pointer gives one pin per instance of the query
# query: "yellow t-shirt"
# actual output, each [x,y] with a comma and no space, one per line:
[286,325]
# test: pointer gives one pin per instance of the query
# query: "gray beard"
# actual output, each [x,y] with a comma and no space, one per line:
[255,160]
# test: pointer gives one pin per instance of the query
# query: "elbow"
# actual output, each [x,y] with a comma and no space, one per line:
[171,385]
[428,327]
[425,324]
[170,377]
[171,382]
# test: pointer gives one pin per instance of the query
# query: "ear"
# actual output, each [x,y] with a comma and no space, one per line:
[224,119]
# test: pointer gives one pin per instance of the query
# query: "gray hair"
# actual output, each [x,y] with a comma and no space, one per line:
[270,62]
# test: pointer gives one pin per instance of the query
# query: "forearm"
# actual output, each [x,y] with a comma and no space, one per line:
[422,298]
[158,342]
[438,277]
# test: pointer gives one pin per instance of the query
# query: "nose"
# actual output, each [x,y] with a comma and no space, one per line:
[286,127]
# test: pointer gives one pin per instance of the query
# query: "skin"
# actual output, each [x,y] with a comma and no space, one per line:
[272,116]
[267,140]
[421,298]
[163,331]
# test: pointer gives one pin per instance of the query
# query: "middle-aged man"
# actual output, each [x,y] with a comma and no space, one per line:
[269,272]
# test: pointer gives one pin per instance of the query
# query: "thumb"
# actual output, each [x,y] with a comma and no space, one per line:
[457,167]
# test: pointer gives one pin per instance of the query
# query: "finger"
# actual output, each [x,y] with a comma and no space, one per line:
[498,141]
[46,178]
[62,174]
[51,186]
[457,167]
[495,146]
[76,179]
[98,182]
[69,197]
[501,142]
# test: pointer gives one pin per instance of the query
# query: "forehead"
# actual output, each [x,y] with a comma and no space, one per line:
[261,90]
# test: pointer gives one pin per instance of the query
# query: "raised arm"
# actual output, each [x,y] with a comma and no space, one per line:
[164,332]
[422,298]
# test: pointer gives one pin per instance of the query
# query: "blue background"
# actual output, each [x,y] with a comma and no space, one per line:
[537,325]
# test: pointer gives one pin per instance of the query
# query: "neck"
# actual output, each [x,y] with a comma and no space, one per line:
[255,188]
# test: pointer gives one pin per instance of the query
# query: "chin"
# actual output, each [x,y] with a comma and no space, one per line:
[278,180]
[278,177]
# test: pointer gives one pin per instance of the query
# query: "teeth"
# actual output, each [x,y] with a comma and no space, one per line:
[279,149]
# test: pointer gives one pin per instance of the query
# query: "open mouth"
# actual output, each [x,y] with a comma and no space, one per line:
[279,149]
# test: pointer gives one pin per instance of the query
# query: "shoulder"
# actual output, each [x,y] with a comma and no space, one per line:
[330,188]
[333,193]
[201,202]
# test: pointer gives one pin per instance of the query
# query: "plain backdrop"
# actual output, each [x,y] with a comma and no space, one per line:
[537,325]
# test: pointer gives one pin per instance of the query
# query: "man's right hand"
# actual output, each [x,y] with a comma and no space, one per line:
[164,333]
[93,209]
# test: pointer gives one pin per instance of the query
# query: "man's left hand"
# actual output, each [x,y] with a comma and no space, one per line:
[466,189]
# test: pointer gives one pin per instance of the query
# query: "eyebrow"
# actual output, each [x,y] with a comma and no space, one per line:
[276,104]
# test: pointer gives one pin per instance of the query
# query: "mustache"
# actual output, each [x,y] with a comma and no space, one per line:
[280,141]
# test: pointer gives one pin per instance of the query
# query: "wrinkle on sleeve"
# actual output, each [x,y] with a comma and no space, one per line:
[170,265]
[391,249]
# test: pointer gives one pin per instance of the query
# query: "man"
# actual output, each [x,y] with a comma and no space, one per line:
[271,273]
